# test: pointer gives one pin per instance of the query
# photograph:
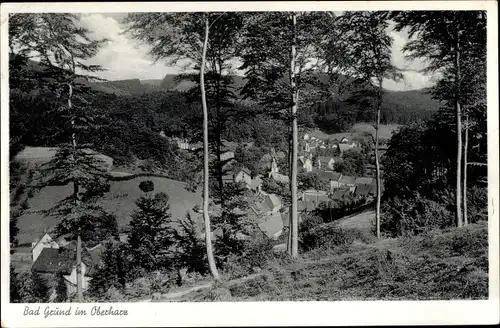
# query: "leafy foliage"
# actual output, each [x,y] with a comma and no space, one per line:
[147,186]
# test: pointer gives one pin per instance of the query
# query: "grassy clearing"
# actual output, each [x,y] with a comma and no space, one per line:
[120,201]
[438,265]
[385,130]
[357,131]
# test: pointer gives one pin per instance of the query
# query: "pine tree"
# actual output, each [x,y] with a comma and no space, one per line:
[151,234]
[62,48]
[33,289]
[61,288]
[190,253]
[115,270]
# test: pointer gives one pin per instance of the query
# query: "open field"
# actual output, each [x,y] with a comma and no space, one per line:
[120,201]
[358,130]
[385,130]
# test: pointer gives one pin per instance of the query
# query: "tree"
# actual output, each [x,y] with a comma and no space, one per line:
[33,288]
[14,286]
[208,231]
[62,47]
[448,40]
[151,234]
[191,252]
[61,288]
[115,271]
[366,54]
[187,37]
[281,58]
[147,186]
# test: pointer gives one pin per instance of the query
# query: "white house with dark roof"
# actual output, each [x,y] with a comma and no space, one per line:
[63,260]
[306,162]
[45,241]
[326,162]
[242,174]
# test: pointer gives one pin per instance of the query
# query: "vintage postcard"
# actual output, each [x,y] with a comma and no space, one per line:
[249,163]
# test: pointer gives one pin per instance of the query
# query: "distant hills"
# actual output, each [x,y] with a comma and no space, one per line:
[410,100]
[394,102]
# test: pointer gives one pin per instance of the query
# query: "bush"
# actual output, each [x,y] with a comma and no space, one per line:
[477,204]
[154,282]
[324,236]
[256,256]
[147,186]
[402,216]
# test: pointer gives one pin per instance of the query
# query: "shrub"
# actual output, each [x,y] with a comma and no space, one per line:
[325,236]
[412,216]
[256,256]
[147,186]
[477,204]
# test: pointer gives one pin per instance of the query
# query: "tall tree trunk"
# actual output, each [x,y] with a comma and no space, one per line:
[294,224]
[218,139]
[466,142]
[206,217]
[79,277]
[76,190]
[458,118]
[377,162]
[290,151]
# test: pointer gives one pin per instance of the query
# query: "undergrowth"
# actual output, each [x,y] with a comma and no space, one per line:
[434,266]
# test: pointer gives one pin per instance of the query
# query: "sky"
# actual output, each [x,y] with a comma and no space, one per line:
[126,58]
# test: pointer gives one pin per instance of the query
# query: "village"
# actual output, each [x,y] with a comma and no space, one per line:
[50,255]
[260,156]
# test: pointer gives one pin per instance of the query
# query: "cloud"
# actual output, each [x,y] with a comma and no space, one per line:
[122,57]
[413,78]
[126,58]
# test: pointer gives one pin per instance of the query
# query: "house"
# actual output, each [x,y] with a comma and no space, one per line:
[330,177]
[274,201]
[280,177]
[45,242]
[238,174]
[364,181]
[228,155]
[63,260]
[261,208]
[306,163]
[341,194]
[182,143]
[256,184]
[344,140]
[347,181]
[326,162]
[242,174]
[364,190]
[271,225]
[344,147]
[316,196]
[306,136]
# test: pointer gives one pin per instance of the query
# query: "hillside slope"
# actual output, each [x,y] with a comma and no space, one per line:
[120,200]
[446,265]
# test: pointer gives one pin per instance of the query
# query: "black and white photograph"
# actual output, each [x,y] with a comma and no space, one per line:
[246,156]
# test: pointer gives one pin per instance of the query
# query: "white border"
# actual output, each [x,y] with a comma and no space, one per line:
[271,313]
